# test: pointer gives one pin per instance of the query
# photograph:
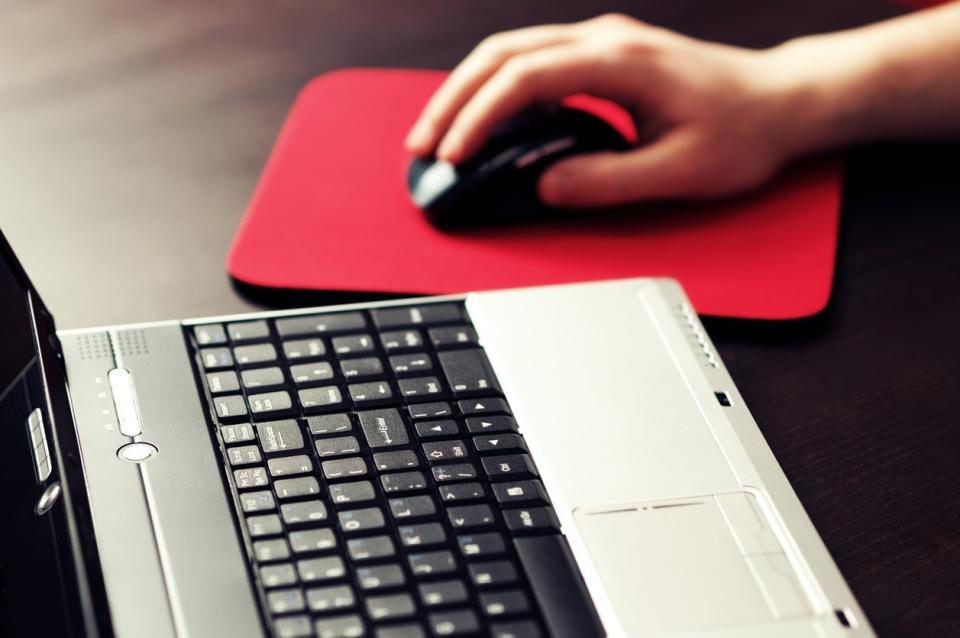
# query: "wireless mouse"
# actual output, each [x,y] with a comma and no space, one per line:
[499,183]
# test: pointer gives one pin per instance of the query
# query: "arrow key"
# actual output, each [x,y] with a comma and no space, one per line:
[428,429]
[489,405]
[492,442]
[491,424]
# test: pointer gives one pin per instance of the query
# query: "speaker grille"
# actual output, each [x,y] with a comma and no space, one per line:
[131,343]
[94,346]
[696,333]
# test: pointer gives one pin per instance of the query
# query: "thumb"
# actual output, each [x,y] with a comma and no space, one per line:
[657,171]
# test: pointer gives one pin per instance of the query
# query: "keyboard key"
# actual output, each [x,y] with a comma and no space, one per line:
[420,387]
[319,324]
[329,424]
[330,598]
[281,575]
[365,367]
[428,429]
[509,466]
[470,516]
[362,520]
[532,519]
[210,335]
[283,601]
[220,382]
[312,540]
[313,399]
[244,455]
[248,330]
[339,627]
[383,428]
[280,436]
[307,373]
[250,355]
[496,442]
[504,603]
[493,573]
[429,410]
[442,592]
[271,550]
[410,363]
[230,408]
[289,465]
[416,315]
[520,492]
[352,344]
[399,460]
[481,545]
[233,434]
[412,507]
[390,607]
[293,627]
[406,630]
[261,501]
[454,623]
[370,393]
[370,547]
[356,492]
[319,569]
[304,349]
[421,535]
[250,478]
[380,577]
[444,450]
[265,525]
[401,340]
[337,446]
[257,378]
[213,358]
[269,403]
[452,336]
[300,512]
[518,629]
[468,371]
[461,492]
[491,424]
[485,405]
[458,472]
[296,487]
[432,563]
[342,468]
[403,482]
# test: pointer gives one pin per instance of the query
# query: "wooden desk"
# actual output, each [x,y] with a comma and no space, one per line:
[132,133]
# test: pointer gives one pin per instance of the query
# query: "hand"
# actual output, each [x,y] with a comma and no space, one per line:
[711,118]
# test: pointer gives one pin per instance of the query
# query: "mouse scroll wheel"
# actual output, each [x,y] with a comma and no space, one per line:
[548,149]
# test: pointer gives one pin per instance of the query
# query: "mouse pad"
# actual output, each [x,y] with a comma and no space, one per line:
[332,213]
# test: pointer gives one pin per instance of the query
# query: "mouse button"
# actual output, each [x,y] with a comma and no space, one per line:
[429,180]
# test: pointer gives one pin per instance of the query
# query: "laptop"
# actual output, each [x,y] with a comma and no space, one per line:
[568,461]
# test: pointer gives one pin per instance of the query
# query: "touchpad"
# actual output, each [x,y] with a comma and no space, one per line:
[691,563]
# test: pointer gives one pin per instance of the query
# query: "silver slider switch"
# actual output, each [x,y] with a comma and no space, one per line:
[125,401]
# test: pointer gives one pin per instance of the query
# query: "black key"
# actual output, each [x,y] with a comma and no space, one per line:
[233,434]
[362,520]
[330,598]
[484,405]
[504,603]
[316,399]
[301,512]
[250,355]
[220,382]
[269,403]
[520,492]
[380,577]
[403,482]
[491,424]
[319,324]
[454,623]
[257,378]
[284,601]
[244,455]
[383,428]
[304,349]
[248,330]
[427,429]
[493,573]
[442,592]
[339,627]
[421,535]
[461,492]
[329,424]
[452,336]
[482,545]
[352,344]
[271,550]
[515,629]
[210,335]
[296,487]
[293,627]
[532,519]
[429,410]
[264,525]
[432,563]
[344,468]
[444,450]
[366,367]
[495,442]
[281,575]
[410,363]
[356,492]
[213,358]
[401,340]
[416,315]
[309,373]
[280,436]
[312,540]
[371,393]
[313,570]
[289,465]
[390,607]
[557,586]
[371,547]
[458,472]
[509,466]
[230,408]
[261,501]
[337,446]
[406,630]
[468,372]
[399,460]
[470,516]
[420,387]
[412,507]
[250,478]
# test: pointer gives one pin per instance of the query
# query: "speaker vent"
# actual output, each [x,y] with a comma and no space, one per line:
[699,338]
[131,343]
[93,346]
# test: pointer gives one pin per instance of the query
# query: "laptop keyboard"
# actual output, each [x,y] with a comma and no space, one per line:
[381,480]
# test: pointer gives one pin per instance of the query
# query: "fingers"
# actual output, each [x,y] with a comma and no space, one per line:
[471,74]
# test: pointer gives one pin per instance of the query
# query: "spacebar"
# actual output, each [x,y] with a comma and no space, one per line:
[558,586]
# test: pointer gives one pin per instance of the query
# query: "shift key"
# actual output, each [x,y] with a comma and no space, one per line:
[468,371]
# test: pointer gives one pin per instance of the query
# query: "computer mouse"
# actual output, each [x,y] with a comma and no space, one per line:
[499,183]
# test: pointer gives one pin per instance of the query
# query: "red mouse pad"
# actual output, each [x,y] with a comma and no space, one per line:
[332,213]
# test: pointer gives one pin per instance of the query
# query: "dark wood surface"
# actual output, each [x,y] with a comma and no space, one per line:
[132,133]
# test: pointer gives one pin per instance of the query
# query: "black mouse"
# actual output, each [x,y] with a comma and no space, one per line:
[499,182]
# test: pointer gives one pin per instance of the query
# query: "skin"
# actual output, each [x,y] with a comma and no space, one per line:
[714,119]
